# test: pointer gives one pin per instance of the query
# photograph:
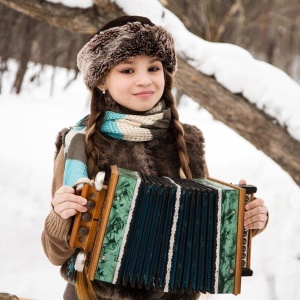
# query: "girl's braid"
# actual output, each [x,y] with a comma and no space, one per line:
[184,171]
[92,146]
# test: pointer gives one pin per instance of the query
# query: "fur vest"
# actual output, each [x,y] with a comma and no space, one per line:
[155,157]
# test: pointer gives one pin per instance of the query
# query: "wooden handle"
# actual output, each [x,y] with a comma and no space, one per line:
[85,224]
[103,222]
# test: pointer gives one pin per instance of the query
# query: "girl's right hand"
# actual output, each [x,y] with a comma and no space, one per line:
[66,203]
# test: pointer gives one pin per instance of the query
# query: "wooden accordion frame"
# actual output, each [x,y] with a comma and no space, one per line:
[160,233]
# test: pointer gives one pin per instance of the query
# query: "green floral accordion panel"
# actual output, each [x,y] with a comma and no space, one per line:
[120,214]
[226,249]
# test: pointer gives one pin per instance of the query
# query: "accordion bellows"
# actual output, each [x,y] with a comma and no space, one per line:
[171,234]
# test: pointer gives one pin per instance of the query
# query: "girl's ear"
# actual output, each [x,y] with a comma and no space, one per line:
[102,88]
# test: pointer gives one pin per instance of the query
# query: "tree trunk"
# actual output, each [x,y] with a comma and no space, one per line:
[25,55]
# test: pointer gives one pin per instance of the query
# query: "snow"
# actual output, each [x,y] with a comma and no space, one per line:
[30,124]
[74,3]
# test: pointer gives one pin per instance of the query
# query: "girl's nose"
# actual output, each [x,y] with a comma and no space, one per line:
[143,79]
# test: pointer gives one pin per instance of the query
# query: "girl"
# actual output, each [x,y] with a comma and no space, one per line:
[128,66]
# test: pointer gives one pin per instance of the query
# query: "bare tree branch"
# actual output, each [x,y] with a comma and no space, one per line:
[74,19]
[235,7]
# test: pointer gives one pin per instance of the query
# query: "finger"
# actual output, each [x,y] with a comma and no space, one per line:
[255,203]
[256,225]
[255,211]
[255,218]
[66,214]
[68,197]
[73,207]
[64,189]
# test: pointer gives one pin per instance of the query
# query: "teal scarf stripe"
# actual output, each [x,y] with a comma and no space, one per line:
[109,125]
[75,157]
[110,115]
[74,169]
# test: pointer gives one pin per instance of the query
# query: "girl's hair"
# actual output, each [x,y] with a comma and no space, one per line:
[98,108]
[184,171]
[93,147]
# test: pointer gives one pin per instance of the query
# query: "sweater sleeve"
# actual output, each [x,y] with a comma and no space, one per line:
[56,231]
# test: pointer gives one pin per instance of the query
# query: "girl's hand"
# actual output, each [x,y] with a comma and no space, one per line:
[66,203]
[256,215]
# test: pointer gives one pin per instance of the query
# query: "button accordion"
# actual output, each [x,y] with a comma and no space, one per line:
[160,233]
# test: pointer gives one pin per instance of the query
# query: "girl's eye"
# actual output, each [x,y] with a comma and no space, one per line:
[127,71]
[154,69]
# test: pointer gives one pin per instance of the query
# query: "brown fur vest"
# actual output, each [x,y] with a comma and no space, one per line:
[155,157]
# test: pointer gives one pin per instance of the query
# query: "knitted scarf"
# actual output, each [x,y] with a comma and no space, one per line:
[134,128]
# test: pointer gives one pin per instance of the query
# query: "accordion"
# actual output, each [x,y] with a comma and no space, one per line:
[180,235]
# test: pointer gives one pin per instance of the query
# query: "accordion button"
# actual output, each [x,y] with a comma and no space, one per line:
[92,196]
[81,239]
[83,230]
[90,204]
[103,257]
[231,271]
[86,217]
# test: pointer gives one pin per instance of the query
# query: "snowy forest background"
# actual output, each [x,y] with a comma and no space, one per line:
[53,100]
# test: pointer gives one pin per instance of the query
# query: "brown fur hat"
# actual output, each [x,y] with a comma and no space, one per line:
[121,39]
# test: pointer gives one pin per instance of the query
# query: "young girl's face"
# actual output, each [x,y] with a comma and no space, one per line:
[136,84]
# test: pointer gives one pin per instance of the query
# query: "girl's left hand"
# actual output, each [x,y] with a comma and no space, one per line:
[256,214]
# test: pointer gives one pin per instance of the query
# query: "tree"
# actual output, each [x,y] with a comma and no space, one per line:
[233,110]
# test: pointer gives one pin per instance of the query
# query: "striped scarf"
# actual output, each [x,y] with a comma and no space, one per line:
[137,128]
